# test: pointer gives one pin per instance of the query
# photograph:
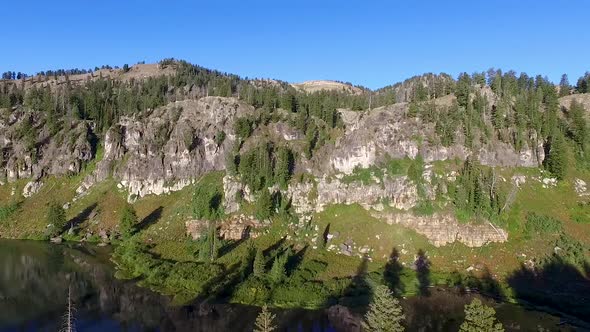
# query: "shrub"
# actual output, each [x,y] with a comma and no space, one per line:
[536,224]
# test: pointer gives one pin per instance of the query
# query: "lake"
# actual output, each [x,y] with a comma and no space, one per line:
[37,277]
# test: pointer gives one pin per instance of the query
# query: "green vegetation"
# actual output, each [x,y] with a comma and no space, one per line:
[264,321]
[477,191]
[265,165]
[56,219]
[385,313]
[8,210]
[480,318]
[540,225]
[128,221]
[208,197]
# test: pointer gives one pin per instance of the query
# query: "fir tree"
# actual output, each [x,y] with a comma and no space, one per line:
[127,221]
[264,321]
[259,263]
[385,313]
[264,205]
[56,217]
[564,86]
[556,161]
[480,318]
[578,127]
[277,271]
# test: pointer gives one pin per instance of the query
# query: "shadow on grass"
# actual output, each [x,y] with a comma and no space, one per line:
[557,284]
[391,274]
[80,218]
[149,220]
[422,265]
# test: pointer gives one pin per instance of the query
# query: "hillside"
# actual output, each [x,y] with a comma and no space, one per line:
[479,180]
[316,86]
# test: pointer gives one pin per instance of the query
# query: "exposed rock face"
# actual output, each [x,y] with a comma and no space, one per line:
[234,228]
[170,147]
[36,152]
[398,192]
[308,198]
[444,229]
[239,227]
[31,188]
[581,187]
[386,132]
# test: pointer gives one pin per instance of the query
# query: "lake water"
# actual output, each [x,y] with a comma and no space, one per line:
[36,277]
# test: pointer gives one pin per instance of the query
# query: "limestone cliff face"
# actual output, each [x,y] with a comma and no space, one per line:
[387,133]
[31,150]
[170,147]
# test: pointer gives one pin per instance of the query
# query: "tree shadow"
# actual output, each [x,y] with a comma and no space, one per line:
[422,265]
[80,218]
[392,272]
[274,248]
[295,260]
[557,284]
[230,246]
[223,285]
[149,220]
[358,293]
[325,235]
[587,269]
[489,286]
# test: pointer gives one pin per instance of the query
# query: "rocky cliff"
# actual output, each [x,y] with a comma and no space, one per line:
[163,149]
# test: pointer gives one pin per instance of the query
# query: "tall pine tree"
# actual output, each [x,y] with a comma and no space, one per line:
[480,318]
[385,313]
[264,321]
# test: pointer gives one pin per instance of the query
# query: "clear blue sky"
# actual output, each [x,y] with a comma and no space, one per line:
[373,43]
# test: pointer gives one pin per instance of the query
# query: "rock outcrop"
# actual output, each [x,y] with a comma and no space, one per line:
[168,148]
[387,133]
[442,229]
[31,150]
[238,227]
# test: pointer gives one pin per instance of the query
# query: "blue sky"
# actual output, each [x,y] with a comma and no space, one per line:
[372,43]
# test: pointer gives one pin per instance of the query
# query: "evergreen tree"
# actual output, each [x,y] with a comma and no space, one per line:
[556,161]
[277,271]
[264,205]
[264,321]
[127,221]
[385,313]
[56,218]
[578,127]
[284,166]
[480,318]
[213,242]
[246,261]
[258,268]
[564,86]
[463,89]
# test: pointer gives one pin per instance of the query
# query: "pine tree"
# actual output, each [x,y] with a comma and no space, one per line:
[480,318]
[284,166]
[578,127]
[56,217]
[463,89]
[277,271]
[264,321]
[564,86]
[556,161]
[127,221]
[259,263]
[264,205]
[385,313]
[212,241]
